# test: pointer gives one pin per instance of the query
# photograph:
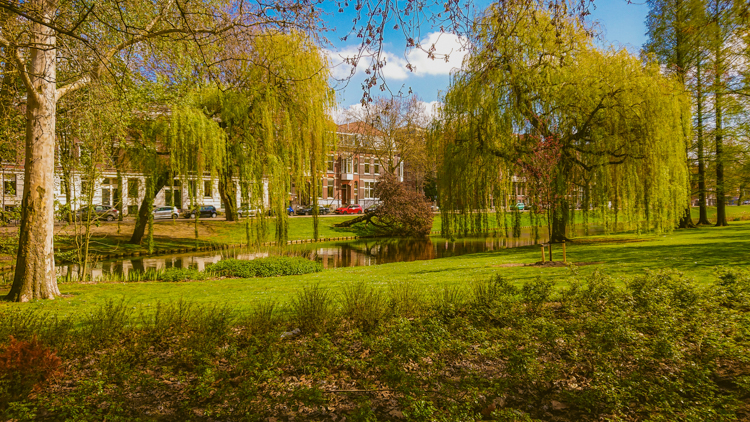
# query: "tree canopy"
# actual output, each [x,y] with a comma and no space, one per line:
[605,130]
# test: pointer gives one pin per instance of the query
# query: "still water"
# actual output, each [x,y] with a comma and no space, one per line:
[353,253]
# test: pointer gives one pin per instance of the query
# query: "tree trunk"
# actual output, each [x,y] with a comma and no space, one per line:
[35,262]
[721,213]
[228,193]
[143,212]
[559,222]
[703,218]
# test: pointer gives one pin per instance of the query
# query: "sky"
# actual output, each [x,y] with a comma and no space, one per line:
[621,25]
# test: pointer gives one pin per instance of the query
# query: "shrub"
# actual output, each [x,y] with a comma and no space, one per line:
[733,287]
[265,267]
[363,305]
[312,309]
[25,366]
[402,211]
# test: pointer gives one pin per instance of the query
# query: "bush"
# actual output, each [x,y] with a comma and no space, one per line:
[363,305]
[265,267]
[25,366]
[402,211]
[312,309]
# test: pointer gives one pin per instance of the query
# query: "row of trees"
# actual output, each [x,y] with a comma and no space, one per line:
[171,88]
[705,44]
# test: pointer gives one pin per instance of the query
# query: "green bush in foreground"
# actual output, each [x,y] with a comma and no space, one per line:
[661,348]
[265,267]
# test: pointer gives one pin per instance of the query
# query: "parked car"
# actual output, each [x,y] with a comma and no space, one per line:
[372,208]
[166,212]
[289,211]
[205,211]
[309,210]
[247,212]
[98,212]
[519,206]
[351,209]
[746,203]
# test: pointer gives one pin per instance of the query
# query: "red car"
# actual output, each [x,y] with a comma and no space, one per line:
[351,209]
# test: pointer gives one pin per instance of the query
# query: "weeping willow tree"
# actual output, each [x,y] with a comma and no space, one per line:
[537,104]
[196,149]
[278,130]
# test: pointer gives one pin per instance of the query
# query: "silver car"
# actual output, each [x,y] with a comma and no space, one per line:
[166,212]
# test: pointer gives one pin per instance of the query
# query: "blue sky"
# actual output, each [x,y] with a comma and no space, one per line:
[621,25]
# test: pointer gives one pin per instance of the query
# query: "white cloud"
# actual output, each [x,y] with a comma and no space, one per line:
[343,115]
[447,53]
[438,54]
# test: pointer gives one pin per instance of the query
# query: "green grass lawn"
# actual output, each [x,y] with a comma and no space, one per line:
[696,252]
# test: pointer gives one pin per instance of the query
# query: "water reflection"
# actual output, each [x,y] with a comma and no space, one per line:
[363,252]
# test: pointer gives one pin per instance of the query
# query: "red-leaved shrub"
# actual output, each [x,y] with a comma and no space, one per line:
[24,367]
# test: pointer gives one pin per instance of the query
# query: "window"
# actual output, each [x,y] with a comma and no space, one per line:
[377,167]
[367,167]
[9,185]
[330,188]
[105,181]
[356,165]
[369,190]
[207,185]
[192,188]
[331,163]
[133,186]
[347,165]
[106,196]
[356,192]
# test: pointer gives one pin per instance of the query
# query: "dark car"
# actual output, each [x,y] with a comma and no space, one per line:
[205,211]
[98,212]
[372,208]
[309,210]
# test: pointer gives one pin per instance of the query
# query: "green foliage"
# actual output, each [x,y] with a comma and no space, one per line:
[364,306]
[536,83]
[265,267]
[313,309]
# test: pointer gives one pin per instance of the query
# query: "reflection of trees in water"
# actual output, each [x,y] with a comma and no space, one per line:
[361,252]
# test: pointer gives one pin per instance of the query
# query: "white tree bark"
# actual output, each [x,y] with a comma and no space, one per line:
[35,263]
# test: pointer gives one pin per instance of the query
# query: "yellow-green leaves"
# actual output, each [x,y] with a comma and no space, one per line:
[532,80]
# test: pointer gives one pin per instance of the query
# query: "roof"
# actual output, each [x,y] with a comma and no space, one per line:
[357,128]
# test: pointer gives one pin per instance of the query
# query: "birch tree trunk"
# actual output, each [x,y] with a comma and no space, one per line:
[35,262]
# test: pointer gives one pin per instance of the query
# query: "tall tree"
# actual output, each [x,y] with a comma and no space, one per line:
[675,30]
[392,129]
[724,33]
[536,80]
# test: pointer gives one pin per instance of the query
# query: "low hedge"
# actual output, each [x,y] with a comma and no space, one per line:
[265,267]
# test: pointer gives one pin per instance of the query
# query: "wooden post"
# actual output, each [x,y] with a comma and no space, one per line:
[543,258]
[565,258]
